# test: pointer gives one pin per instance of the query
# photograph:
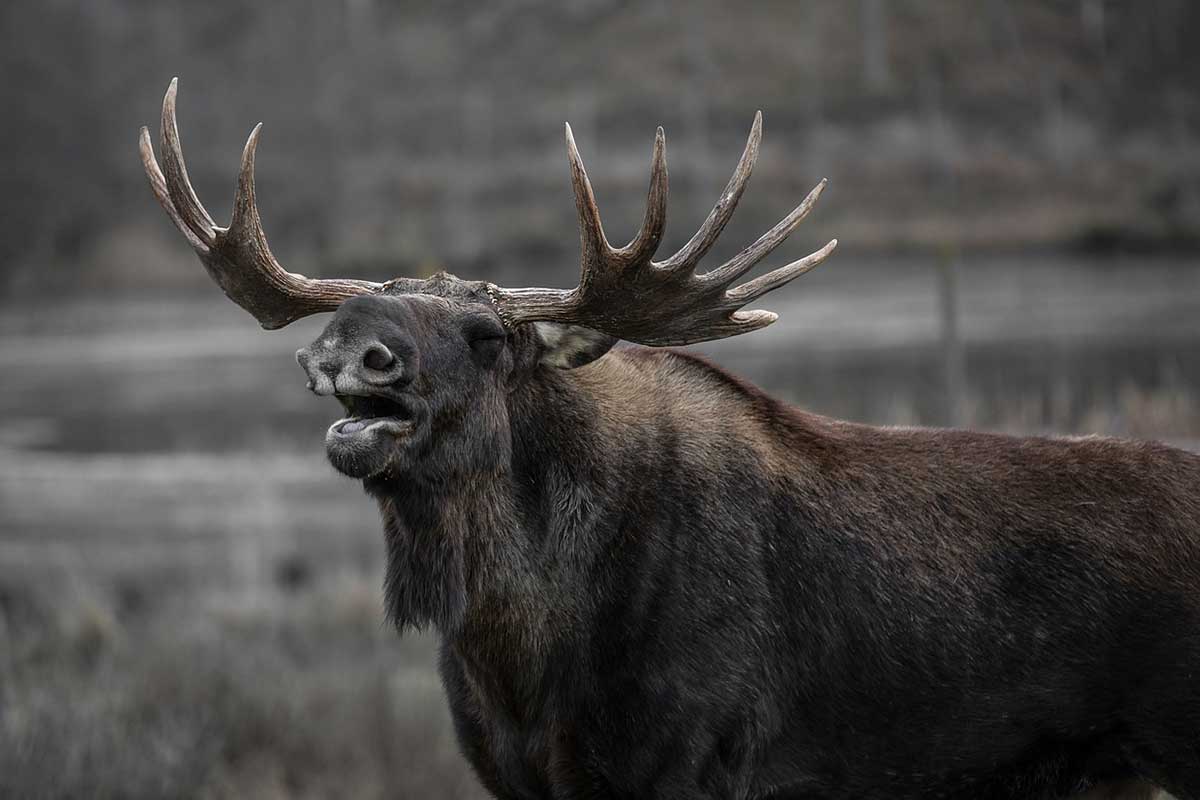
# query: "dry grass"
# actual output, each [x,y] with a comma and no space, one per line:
[304,694]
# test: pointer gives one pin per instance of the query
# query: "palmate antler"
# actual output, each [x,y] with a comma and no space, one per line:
[622,291]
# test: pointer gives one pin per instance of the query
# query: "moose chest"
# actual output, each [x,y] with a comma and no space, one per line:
[508,722]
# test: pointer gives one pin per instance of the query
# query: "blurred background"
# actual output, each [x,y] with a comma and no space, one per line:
[190,598]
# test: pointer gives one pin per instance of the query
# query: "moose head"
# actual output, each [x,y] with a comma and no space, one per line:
[423,366]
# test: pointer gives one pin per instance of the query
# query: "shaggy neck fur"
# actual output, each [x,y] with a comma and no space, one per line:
[485,551]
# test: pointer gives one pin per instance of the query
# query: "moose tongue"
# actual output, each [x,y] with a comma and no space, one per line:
[353,427]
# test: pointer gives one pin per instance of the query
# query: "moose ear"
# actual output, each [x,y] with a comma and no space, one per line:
[571,346]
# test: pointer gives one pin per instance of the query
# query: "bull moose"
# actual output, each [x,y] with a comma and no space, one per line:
[651,579]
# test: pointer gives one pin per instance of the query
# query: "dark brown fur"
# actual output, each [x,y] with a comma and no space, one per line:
[653,580]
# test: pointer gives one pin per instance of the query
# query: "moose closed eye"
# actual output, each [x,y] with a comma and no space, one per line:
[485,336]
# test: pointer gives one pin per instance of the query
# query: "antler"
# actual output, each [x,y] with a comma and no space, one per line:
[238,257]
[623,292]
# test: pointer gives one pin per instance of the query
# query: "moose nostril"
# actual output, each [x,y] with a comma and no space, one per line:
[378,357]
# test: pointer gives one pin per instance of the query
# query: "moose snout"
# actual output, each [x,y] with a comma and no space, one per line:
[335,367]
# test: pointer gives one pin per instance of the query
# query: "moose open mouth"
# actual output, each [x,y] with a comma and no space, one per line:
[375,433]
[368,416]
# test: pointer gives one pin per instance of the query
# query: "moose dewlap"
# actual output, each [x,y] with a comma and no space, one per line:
[651,579]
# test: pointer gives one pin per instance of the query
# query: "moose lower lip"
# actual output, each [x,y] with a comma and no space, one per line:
[355,426]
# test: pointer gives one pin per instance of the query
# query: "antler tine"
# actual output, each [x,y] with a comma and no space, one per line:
[698,246]
[597,252]
[643,246]
[184,196]
[744,261]
[237,258]
[591,231]
[245,221]
[752,290]
[158,184]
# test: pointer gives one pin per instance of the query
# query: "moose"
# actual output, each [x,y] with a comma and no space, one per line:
[651,579]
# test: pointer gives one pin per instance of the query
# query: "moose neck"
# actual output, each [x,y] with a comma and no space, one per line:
[488,556]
